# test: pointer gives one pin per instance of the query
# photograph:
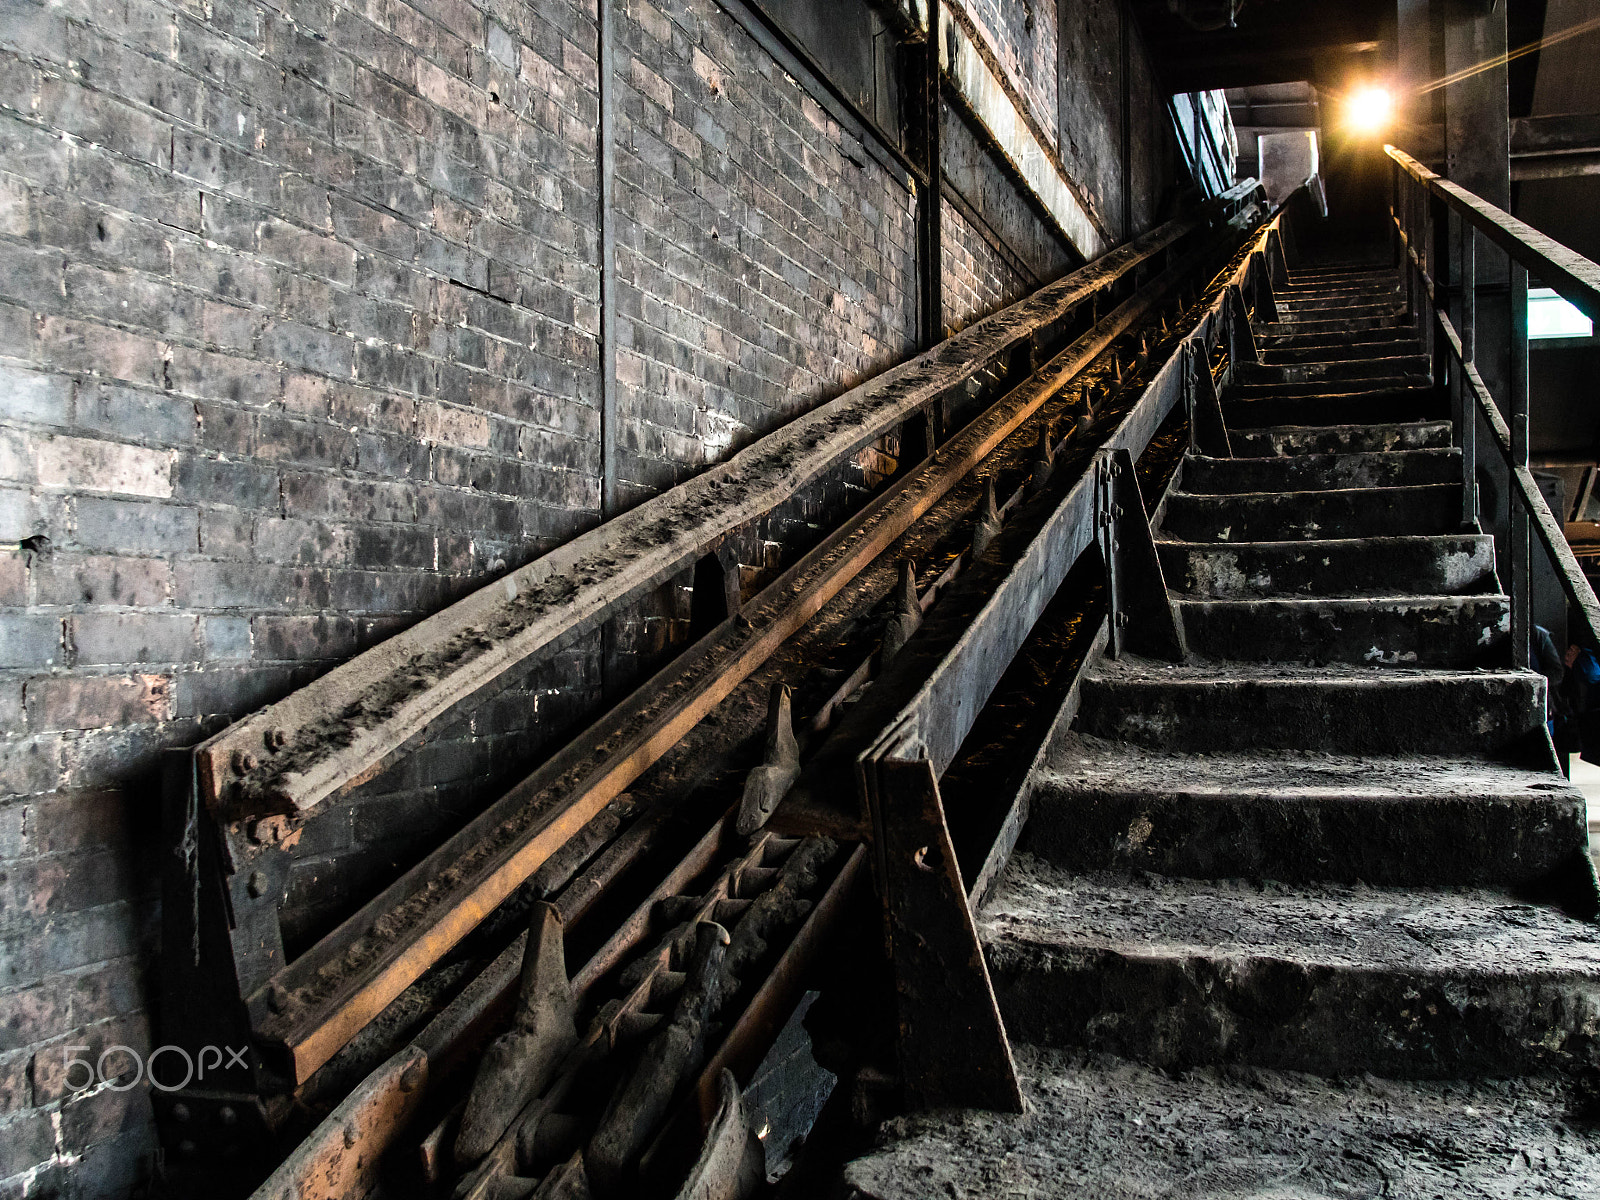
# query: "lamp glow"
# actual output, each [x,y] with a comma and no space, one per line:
[1369,109]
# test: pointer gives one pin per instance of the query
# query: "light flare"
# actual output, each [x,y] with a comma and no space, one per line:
[1369,109]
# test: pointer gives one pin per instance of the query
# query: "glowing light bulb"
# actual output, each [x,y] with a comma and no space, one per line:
[1369,109]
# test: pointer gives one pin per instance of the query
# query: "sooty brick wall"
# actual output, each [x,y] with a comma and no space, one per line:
[298,310]
[298,340]
[978,279]
[761,261]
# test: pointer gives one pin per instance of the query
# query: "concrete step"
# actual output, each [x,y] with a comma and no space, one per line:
[1310,472]
[1103,1128]
[1373,290]
[1392,366]
[1343,280]
[1423,631]
[1337,342]
[1434,564]
[1333,979]
[1301,389]
[1339,513]
[1340,295]
[1323,405]
[1338,709]
[1353,270]
[1297,315]
[1322,350]
[1330,327]
[1338,306]
[1339,439]
[1300,817]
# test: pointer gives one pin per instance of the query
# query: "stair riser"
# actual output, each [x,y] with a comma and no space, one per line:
[1311,472]
[1329,327]
[1299,315]
[1278,375]
[1344,293]
[1341,275]
[1439,566]
[1471,633]
[1180,1011]
[1349,351]
[1353,409]
[1338,439]
[1330,389]
[1322,308]
[1290,516]
[1383,343]
[1500,715]
[1517,841]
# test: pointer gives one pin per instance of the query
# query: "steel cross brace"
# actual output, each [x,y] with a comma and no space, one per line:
[1142,616]
[953,1049]
[1208,432]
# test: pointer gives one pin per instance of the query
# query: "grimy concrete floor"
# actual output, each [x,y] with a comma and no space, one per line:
[1101,1128]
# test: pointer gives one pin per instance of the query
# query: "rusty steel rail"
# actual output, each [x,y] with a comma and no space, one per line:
[346,726]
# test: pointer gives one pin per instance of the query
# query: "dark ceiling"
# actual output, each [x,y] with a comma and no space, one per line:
[1272,41]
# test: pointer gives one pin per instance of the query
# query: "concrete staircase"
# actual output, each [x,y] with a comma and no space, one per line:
[1314,904]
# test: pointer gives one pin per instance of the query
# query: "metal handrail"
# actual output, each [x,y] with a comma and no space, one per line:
[1420,209]
[1573,276]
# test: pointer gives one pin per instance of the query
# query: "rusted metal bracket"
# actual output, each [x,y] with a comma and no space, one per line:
[716,591]
[219,935]
[1277,263]
[1142,617]
[953,1047]
[919,437]
[1259,280]
[1208,432]
[1241,338]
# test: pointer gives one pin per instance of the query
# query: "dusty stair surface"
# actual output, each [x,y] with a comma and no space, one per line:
[1308,914]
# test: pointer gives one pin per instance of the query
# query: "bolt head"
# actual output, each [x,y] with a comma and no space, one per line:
[227,1116]
[277,998]
[243,762]
[180,1112]
[257,886]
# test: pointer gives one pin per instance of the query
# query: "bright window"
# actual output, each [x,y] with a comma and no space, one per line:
[1549,316]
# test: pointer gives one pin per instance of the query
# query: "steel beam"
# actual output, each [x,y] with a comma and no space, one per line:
[952,1041]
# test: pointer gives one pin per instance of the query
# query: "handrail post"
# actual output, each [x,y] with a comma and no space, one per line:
[1445,276]
[1404,190]
[1521,549]
[1396,175]
[1467,426]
